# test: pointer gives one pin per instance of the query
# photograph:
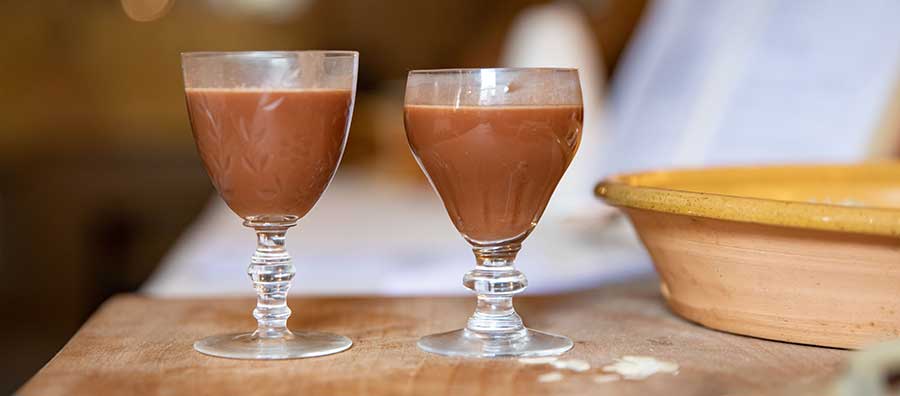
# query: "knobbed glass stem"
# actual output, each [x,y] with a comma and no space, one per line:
[495,281]
[272,272]
[495,329]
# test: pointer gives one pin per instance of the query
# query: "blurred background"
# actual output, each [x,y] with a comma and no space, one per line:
[98,171]
[101,190]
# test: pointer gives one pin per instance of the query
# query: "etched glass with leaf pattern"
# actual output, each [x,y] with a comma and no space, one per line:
[271,128]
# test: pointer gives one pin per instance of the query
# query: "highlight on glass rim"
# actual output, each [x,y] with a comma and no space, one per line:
[523,197]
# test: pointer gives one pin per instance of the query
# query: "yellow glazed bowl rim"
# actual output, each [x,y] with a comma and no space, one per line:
[643,191]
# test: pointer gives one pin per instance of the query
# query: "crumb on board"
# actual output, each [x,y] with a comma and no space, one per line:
[538,360]
[552,376]
[576,365]
[602,379]
[640,367]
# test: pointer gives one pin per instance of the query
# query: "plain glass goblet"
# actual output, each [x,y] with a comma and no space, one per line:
[494,143]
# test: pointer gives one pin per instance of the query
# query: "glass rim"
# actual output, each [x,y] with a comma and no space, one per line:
[266,54]
[469,70]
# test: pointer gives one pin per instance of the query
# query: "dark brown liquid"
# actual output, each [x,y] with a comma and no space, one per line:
[270,153]
[495,168]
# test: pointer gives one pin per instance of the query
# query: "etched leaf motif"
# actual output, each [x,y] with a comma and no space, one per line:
[240,126]
[271,192]
[279,183]
[226,159]
[264,161]
[222,163]
[214,122]
[212,148]
[248,164]
[272,105]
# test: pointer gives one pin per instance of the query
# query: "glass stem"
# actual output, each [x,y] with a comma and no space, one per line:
[271,271]
[495,281]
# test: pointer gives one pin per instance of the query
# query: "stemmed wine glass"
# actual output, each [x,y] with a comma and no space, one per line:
[271,128]
[494,143]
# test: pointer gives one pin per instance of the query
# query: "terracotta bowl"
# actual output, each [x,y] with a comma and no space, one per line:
[807,254]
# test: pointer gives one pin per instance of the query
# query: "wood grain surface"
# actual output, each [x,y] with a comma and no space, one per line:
[140,345]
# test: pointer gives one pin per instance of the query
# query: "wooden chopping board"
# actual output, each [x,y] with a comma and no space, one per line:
[140,345]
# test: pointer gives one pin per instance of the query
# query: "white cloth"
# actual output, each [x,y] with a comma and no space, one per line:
[369,237]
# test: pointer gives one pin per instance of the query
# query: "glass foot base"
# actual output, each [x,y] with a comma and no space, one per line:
[465,343]
[300,344]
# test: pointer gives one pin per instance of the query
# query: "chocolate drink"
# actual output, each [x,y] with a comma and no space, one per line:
[494,167]
[270,152]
